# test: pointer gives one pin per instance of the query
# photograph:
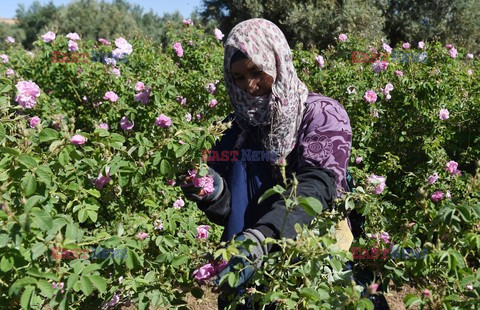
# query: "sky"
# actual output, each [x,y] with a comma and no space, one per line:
[185,7]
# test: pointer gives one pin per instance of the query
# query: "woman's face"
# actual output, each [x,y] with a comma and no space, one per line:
[250,78]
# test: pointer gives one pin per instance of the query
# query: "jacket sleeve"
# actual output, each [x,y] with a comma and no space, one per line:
[314,182]
[218,210]
[321,159]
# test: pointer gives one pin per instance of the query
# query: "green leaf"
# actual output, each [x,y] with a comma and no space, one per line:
[5,88]
[32,201]
[29,184]
[232,279]
[99,282]
[42,219]
[117,138]
[411,300]
[165,167]
[179,260]
[82,215]
[310,293]
[7,262]
[3,132]
[92,215]
[9,151]
[87,286]
[54,145]
[182,150]
[26,298]
[269,192]
[46,288]
[27,161]
[47,134]
[312,206]
[95,193]
[364,303]
[44,173]
[132,260]
[38,249]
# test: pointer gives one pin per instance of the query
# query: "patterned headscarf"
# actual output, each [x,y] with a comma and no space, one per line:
[266,46]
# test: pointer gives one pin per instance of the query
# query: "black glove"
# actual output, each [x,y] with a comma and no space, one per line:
[193,193]
[255,256]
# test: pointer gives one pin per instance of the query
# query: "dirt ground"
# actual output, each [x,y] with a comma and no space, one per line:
[394,298]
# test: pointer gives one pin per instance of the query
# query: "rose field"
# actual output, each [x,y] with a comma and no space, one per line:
[90,152]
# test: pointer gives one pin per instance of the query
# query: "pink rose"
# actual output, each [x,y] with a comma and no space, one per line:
[370,96]
[218,34]
[10,40]
[139,86]
[202,231]
[211,88]
[437,196]
[449,46]
[5,58]
[342,37]
[406,45]
[179,203]
[158,225]
[452,167]
[320,61]
[188,22]
[163,121]
[398,73]
[372,289]
[443,114]
[213,103]
[426,293]
[448,195]
[388,88]
[380,66]
[181,100]
[188,117]
[27,94]
[378,182]
[204,273]
[453,52]
[73,36]
[48,37]
[358,160]
[104,41]
[421,44]
[78,140]
[110,95]
[104,126]
[433,178]
[126,124]
[116,72]
[10,72]
[387,48]
[143,96]
[34,121]
[142,235]
[123,47]
[102,180]
[469,72]
[178,49]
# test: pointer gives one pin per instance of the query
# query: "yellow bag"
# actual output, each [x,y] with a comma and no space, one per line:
[343,235]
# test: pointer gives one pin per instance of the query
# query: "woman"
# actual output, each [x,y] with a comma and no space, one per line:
[274,115]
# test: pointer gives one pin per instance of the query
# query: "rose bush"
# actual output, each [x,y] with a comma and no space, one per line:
[89,158]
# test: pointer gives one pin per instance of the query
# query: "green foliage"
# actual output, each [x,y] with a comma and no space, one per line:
[319,22]
[49,198]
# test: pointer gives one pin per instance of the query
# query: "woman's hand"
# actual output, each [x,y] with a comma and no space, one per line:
[206,191]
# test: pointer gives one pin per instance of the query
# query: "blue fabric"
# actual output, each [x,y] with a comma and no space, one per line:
[247,181]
